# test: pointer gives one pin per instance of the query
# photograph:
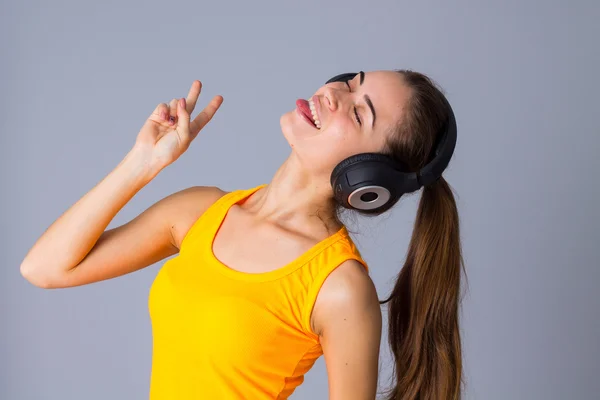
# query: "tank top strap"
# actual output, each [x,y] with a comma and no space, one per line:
[214,214]
[317,271]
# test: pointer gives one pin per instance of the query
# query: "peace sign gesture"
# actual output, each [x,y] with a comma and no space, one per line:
[168,132]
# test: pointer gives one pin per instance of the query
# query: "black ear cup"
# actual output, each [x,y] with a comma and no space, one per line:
[364,182]
[352,160]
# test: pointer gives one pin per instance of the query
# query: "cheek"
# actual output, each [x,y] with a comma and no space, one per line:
[342,135]
[342,128]
[321,150]
[329,148]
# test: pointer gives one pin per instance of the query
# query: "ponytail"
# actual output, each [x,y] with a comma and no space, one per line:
[424,331]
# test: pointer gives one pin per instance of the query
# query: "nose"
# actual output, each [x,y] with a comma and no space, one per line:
[332,98]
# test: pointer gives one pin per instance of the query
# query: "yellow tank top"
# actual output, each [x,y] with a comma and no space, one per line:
[220,333]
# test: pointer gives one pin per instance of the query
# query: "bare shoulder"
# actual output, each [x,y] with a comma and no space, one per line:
[347,289]
[348,322]
[188,205]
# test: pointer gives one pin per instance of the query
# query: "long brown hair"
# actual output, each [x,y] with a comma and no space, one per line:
[424,334]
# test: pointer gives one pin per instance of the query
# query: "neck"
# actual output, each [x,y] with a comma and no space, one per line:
[296,199]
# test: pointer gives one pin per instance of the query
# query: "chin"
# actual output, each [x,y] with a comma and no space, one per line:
[293,130]
[313,154]
[284,123]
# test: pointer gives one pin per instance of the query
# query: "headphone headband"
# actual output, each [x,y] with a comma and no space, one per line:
[443,150]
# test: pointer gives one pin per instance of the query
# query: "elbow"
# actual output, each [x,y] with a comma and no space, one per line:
[33,276]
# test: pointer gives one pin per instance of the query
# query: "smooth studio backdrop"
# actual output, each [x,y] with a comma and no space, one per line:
[80,78]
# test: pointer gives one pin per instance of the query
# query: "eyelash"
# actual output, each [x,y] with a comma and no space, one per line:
[355,113]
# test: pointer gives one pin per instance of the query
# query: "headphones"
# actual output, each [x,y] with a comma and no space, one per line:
[374,182]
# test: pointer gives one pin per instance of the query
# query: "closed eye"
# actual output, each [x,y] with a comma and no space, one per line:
[355,113]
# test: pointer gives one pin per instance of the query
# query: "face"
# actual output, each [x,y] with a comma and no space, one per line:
[354,118]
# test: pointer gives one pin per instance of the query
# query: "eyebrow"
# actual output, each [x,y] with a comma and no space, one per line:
[368,99]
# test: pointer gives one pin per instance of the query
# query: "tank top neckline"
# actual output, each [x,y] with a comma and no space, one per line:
[234,198]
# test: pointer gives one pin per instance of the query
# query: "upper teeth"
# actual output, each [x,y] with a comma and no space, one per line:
[314,113]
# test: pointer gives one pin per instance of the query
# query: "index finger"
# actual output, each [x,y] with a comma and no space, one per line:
[192,96]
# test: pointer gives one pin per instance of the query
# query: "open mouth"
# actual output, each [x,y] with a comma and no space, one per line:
[308,111]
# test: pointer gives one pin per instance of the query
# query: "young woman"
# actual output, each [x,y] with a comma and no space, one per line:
[267,279]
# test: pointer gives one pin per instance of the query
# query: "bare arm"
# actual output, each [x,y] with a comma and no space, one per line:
[71,237]
[76,249]
[347,317]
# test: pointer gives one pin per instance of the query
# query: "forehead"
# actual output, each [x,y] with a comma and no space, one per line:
[387,91]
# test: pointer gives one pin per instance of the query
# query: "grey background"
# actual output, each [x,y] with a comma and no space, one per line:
[80,78]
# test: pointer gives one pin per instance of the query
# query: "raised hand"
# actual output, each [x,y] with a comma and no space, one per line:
[168,132]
